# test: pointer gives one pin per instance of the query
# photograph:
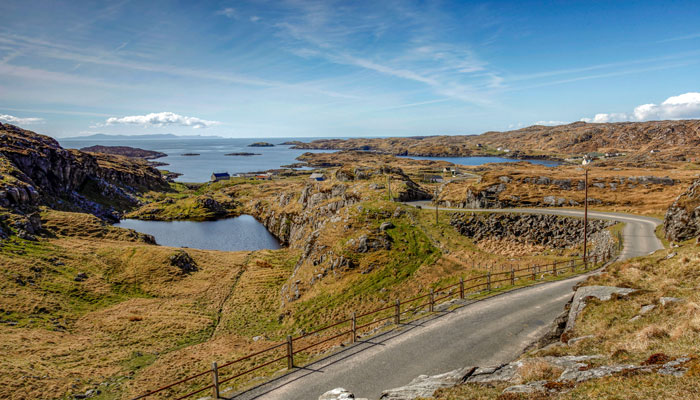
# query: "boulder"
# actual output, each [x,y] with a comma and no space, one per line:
[386,226]
[183,261]
[337,394]
[366,244]
[80,277]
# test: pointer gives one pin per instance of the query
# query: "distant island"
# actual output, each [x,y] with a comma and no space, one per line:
[242,154]
[292,143]
[261,144]
[190,154]
[155,136]
[127,151]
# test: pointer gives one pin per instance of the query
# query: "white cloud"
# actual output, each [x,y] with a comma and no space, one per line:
[254,18]
[684,106]
[162,119]
[551,123]
[227,12]
[18,120]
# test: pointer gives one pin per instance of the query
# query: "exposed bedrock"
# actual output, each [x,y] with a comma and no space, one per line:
[682,219]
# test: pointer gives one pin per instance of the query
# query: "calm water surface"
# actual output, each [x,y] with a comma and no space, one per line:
[231,234]
[211,156]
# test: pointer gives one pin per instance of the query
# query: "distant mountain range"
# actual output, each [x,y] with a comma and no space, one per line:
[156,136]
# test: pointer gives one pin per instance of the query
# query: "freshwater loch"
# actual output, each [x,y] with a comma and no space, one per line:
[230,234]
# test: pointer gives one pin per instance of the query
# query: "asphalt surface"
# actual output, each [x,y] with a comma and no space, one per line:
[486,332]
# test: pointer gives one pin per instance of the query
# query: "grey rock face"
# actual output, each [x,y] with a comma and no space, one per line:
[669,300]
[577,375]
[682,220]
[602,293]
[425,386]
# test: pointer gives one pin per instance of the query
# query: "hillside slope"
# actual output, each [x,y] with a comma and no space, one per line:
[677,140]
[35,170]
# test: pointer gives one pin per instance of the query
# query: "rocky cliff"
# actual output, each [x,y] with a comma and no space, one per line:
[36,170]
[682,219]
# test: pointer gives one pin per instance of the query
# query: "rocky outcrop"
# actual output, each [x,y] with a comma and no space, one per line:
[35,170]
[565,371]
[682,220]
[425,386]
[182,260]
[546,230]
[583,294]
[406,189]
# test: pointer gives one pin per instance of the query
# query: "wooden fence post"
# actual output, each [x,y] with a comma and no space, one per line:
[488,281]
[572,263]
[554,268]
[461,288]
[215,379]
[512,276]
[397,312]
[534,274]
[432,299]
[354,327]
[290,353]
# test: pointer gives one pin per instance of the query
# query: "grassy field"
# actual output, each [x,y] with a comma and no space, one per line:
[670,331]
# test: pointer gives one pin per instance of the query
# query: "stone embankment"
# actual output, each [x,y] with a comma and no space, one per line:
[682,221]
[547,230]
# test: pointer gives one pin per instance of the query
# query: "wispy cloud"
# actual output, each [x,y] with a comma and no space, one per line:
[684,106]
[228,12]
[19,120]
[111,59]
[550,123]
[333,34]
[678,38]
[161,119]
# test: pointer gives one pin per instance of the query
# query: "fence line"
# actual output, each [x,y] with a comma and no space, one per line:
[490,280]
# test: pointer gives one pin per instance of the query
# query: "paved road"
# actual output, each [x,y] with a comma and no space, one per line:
[485,332]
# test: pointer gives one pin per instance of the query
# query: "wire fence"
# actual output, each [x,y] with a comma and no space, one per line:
[357,325]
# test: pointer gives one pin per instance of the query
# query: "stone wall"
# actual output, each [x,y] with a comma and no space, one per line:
[547,230]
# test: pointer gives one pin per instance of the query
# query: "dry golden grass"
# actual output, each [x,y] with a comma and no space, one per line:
[667,332]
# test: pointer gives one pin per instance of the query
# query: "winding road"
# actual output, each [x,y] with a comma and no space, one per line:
[486,332]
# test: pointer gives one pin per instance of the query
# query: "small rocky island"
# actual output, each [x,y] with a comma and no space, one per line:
[133,152]
[242,154]
[261,144]
[190,154]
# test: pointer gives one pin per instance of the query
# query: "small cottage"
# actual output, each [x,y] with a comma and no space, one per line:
[317,176]
[220,176]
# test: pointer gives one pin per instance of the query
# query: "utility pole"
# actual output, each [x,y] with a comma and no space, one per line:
[585,223]
[436,206]
[388,185]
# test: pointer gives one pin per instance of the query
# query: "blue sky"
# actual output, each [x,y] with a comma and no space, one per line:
[377,68]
